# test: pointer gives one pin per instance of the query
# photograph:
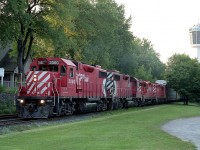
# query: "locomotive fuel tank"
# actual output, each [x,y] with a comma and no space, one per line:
[88,107]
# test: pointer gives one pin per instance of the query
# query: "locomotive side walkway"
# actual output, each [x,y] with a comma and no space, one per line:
[185,129]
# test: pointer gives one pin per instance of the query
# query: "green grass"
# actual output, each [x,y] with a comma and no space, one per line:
[123,129]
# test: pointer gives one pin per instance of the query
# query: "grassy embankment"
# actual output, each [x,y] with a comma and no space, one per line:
[123,129]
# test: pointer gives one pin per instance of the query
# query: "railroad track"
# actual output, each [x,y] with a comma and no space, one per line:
[6,116]
[14,121]
[6,120]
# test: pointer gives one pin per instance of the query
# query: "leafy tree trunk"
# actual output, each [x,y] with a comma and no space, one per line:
[185,100]
[24,45]
[20,57]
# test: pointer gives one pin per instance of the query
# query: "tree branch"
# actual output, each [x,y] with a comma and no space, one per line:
[26,37]
[3,2]
[35,3]
[21,27]
[29,49]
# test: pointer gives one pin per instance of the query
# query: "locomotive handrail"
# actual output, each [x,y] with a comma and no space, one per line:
[55,83]
[17,91]
[54,96]
[20,81]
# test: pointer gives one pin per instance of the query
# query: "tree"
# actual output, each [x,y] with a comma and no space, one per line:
[102,33]
[183,75]
[92,31]
[30,22]
[144,74]
[147,60]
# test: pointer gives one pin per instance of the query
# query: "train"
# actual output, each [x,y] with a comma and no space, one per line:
[58,86]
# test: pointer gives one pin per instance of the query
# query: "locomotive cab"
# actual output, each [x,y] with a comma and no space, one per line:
[47,81]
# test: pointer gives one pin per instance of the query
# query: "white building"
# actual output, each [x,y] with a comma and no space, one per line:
[195,39]
[10,67]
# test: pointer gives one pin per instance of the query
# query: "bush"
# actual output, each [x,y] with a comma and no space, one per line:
[1,89]
[7,104]
[10,90]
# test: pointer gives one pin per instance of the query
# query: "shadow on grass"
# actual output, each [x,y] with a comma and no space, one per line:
[182,103]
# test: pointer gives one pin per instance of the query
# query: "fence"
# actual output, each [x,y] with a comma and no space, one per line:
[9,84]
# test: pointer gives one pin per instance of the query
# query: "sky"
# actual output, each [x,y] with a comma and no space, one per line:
[165,23]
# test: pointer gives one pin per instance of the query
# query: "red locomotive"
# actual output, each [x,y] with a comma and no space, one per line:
[57,86]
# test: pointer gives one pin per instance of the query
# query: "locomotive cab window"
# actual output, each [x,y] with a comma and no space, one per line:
[117,78]
[71,72]
[63,70]
[33,68]
[53,68]
[43,68]
[102,74]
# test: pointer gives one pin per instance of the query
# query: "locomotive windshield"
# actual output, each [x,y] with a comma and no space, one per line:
[52,68]
[43,68]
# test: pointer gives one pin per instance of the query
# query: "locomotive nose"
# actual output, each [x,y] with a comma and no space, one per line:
[39,83]
[32,108]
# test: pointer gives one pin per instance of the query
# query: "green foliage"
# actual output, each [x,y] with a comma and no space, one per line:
[7,104]
[143,73]
[147,64]
[1,89]
[7,100]
[27,22]
[95,32]
[102,33]
[8,90]
[183,74]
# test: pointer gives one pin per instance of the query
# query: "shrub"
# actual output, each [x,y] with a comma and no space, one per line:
[7,103]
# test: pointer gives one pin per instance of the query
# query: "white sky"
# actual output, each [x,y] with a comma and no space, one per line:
[165,23]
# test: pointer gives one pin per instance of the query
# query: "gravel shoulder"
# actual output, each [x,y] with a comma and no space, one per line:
[186,129]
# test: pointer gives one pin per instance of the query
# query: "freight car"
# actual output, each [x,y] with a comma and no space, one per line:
[57,86]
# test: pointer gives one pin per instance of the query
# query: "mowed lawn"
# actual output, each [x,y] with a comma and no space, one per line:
[124,129]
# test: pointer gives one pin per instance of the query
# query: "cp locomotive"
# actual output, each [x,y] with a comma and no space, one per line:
[57,86]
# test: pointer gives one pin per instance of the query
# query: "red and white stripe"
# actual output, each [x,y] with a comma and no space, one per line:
[154,89]
[42,84]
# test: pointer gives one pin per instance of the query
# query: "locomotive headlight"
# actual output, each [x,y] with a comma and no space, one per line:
[42,101]
[21,101]
[35,77]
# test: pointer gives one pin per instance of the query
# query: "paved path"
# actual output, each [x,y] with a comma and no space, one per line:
[185,129]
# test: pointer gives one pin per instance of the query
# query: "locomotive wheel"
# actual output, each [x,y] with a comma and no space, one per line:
[120,105]
[136,103]
[110,105]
